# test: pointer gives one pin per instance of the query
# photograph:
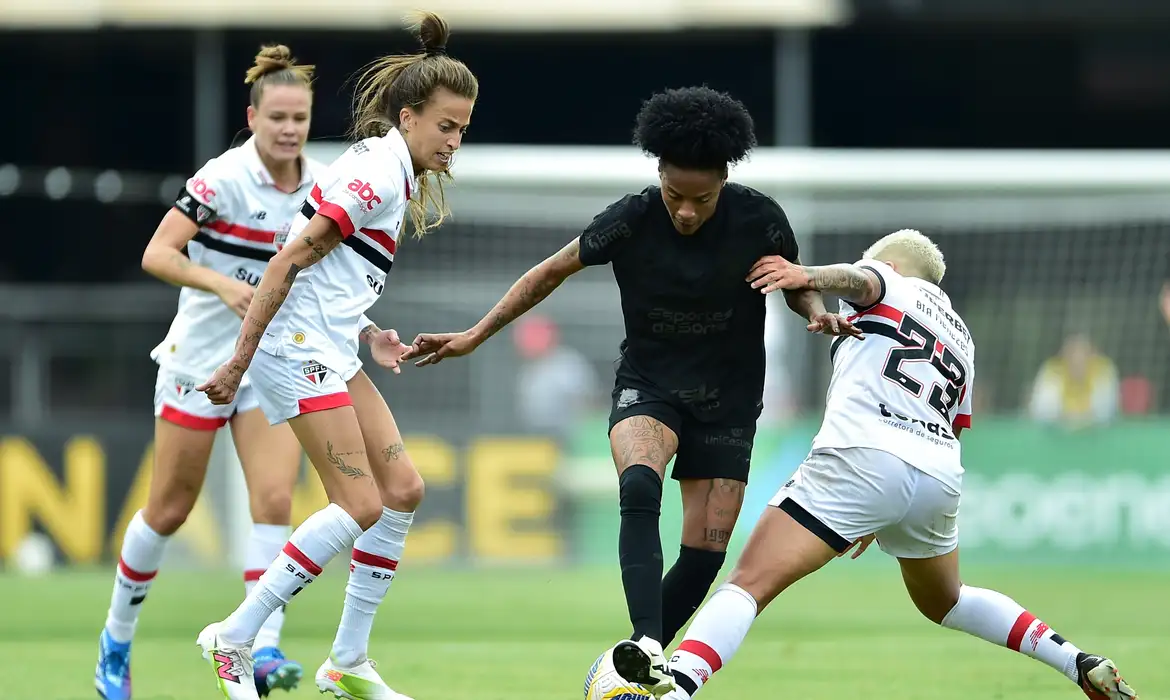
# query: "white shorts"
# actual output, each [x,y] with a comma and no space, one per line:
[288,388]
[841,495]
[176,401]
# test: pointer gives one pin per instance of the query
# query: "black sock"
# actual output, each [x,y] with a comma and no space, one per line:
[640,549]
[685,587]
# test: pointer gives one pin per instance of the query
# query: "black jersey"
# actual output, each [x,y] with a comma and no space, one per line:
[694,325]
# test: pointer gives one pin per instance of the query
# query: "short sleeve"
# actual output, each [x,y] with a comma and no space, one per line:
[884,273]
[604,237]
[963,416]
[781,239]
[366,194]
[208,195]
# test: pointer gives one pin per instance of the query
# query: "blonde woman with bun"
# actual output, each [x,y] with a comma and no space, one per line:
[226,218]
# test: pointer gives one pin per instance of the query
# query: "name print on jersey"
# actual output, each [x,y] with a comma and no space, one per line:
[365,193]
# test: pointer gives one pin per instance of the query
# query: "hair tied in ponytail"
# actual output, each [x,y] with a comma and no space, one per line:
[435,50]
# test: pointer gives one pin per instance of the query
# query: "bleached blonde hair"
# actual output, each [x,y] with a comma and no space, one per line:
[912,253]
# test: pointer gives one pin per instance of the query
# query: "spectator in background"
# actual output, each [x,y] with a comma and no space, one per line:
[556,385]
[1077,388]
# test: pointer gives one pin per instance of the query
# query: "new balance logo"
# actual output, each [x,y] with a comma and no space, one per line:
[259,215]
[228,668]
[1037,634]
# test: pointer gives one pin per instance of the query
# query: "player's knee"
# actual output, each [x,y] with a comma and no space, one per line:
[936,605]
[640,491]
[405,494]
[271,506]
[167,518]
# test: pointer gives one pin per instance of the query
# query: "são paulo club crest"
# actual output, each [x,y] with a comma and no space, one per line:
[183,386]
[314,371]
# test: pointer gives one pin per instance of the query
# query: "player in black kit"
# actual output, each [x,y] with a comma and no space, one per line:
[691,376]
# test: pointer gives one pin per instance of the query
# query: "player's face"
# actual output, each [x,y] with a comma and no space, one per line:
[690,196]
[281,122]
[436,132]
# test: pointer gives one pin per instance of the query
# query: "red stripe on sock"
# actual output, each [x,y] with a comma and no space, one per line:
[253,574]
[702,651]
[368,559]
[299,557]
[139,576]
[1016,636]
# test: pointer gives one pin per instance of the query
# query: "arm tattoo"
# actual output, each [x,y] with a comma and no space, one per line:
[807,303]
[845,281]
[393,452]
[369,333]
[532,288]
[337,459]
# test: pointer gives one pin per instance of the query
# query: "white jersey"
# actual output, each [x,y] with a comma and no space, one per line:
[365,192]
[906,388]
[239,210]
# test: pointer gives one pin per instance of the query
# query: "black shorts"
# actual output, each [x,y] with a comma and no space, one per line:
[706,450]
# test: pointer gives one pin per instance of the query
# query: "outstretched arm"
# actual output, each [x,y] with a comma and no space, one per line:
[530,290]
[859,286]
[527,292]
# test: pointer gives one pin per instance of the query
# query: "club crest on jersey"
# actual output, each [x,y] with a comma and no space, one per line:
[298,337]
[628,397]
[315,372]
[183,386]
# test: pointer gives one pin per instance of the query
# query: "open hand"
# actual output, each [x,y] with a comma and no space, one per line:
[387,350]
[861,545]
[833,324]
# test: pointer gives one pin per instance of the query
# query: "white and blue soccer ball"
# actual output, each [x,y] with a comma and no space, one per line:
[603,682]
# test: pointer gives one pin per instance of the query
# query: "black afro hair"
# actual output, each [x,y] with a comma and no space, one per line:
[695,128]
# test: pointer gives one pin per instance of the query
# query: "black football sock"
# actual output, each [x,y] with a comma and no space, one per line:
[685,587]
[640,549]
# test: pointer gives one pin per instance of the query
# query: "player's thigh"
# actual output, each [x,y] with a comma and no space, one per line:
[271,459]
[644,429]
[399,483]
[315,402]
[780,551]
[842,495]
[185,426]
[712,469]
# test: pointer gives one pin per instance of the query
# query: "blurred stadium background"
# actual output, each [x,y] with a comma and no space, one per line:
[1024,137]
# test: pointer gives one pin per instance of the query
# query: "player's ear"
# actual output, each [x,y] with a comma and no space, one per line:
[252,119]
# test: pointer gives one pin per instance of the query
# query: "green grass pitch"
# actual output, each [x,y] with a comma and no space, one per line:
[518,634]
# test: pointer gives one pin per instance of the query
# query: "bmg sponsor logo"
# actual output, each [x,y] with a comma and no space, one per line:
[674,322]
[608,236]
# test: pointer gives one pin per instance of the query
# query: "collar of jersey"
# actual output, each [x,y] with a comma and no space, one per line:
[260,173]
[397,145]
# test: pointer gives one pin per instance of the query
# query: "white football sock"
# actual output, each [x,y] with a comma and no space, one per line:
[995,618]
[371,570]
[142,551]
[264,545]
[713,637]
[312,546]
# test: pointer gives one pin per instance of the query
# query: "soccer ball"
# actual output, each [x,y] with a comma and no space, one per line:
[603,682]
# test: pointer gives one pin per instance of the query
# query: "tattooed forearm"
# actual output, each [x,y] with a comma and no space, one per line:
[337,459]
[531,289]
[393,452]
[846,281]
